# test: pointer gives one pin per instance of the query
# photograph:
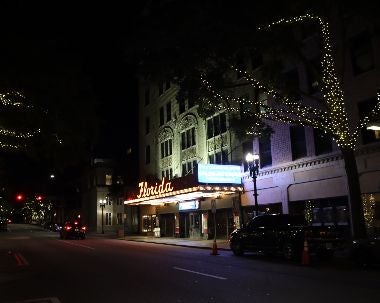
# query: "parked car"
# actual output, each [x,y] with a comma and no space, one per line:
[3,224]
[73,230]
[53,226]
[365,252]
[285,235]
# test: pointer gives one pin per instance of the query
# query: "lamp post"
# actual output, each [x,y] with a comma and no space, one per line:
[102,204]
[253,163]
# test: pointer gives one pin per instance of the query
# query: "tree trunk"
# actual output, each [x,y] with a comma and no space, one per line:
[358,229]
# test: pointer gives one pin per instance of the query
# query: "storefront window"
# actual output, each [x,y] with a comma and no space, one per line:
[330,211]
[149,223]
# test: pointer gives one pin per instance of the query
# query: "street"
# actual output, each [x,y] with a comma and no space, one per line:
[36,264]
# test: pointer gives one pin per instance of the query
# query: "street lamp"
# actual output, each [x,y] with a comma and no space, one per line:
[253,163]
[102,204]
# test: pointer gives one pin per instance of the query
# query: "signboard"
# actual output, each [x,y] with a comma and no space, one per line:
[188,205]
[219,174]
[147,190]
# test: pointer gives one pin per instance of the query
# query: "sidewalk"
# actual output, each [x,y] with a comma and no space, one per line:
[205,244]
[222,244]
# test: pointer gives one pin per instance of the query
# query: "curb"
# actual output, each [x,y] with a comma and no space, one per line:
[175,244]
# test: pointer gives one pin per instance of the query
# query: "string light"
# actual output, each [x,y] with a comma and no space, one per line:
[15,99]
[333,120]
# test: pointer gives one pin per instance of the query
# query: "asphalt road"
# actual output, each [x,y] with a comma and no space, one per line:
[36,266]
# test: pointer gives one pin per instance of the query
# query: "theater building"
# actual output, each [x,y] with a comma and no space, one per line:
[301,170]
[197,206]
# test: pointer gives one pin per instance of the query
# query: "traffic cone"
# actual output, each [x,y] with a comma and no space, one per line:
[305,254]
[214,251]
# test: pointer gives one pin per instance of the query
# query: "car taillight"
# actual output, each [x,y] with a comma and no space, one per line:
[67,227]
[84,227]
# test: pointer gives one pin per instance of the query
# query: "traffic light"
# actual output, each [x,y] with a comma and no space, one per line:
[20,197]
[39,198]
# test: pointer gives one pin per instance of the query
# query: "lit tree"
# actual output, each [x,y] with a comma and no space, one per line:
[15,131]
[330,117]
[37,210]
[197,46]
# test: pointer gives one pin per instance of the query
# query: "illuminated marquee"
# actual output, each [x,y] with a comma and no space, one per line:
[220,174]
[147,191]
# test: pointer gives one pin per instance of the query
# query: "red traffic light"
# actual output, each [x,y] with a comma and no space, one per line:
[19,197]
[39,198]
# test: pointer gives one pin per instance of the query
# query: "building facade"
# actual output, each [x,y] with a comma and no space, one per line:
[102,198]
[301,169]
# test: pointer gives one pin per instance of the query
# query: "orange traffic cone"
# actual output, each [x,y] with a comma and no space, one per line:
[214,249]
[305,254]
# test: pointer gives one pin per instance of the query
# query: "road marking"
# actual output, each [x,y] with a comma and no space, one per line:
[19,238]
[41,300]
[200,273]
[21,261]
[85,246]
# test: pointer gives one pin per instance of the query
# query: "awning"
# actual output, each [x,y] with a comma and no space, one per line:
[191,193]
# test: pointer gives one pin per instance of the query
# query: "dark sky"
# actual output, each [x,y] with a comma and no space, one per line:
[91,36]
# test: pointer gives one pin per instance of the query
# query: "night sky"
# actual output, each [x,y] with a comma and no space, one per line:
[89,36]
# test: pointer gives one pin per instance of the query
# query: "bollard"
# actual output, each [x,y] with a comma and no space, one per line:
[305,254]
[214,249]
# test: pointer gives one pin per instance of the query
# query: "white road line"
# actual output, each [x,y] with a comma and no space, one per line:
[85,246]
[41,300]
[200,273]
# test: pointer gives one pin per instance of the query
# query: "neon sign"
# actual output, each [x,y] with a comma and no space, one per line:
[147,191]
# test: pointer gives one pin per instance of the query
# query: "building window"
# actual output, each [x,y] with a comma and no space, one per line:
[314,72]
[108,179]
[265,151]
[188,138]
[298,141]
[246,108]
[147,96]
[216,125]
[257,61]
[120,201]
[162,116]
[362,58]
[109,200]
[241,66]
[190,101]
[147,154]
[161,88]
[322,142]
[220,157]
[108,219]
[291,81]
[119,218]
[365,107]
[147,125]
[188,167]
[166,148]
[168,111]
[182,105]
[168,174]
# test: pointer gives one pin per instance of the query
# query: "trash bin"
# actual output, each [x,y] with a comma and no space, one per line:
[156,231]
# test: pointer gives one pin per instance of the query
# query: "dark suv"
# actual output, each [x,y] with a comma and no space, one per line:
[284,235]
[73,230]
